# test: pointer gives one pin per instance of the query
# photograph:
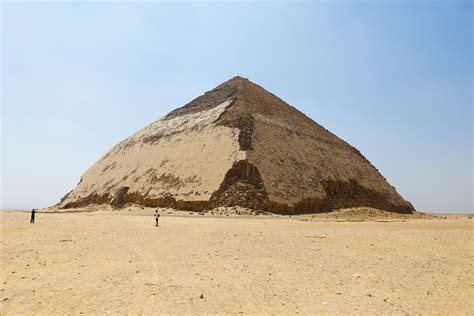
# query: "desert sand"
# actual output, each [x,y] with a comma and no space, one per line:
[117,262]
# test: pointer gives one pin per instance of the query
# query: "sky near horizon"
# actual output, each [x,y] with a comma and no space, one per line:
[394,79]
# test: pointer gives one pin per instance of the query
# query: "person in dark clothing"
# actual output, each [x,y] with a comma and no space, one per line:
[157,216]
[33,214]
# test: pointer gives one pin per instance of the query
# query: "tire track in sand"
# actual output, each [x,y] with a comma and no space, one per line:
[143,302]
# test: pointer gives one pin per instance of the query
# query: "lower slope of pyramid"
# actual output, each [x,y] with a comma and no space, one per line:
[236,145]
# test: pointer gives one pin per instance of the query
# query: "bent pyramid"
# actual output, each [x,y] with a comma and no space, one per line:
[237,144]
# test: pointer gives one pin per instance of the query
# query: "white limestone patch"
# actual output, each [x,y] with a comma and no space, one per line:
[185,122]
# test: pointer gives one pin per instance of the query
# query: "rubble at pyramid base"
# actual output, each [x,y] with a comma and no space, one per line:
[243,186]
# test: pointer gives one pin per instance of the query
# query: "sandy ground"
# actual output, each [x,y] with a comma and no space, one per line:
[118,262]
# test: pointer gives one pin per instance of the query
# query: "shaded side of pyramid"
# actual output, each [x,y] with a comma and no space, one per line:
[237,144]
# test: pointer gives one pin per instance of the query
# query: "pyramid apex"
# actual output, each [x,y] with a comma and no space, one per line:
[236,80]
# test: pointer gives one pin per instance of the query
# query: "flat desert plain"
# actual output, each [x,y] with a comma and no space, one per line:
[119,263]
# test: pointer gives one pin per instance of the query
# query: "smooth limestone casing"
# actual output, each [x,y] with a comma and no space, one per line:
[176,164]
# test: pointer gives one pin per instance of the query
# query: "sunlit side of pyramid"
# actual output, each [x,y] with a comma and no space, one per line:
[237,144]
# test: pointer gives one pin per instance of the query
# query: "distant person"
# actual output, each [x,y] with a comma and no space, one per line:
[33,214]
[157,217]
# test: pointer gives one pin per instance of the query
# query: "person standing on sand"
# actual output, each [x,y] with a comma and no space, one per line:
[157,216]
[33,213]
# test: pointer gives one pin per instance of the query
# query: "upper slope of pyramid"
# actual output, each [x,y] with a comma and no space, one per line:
[248,99]
[237,144]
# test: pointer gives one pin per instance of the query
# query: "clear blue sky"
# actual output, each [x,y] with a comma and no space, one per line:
[393,78]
